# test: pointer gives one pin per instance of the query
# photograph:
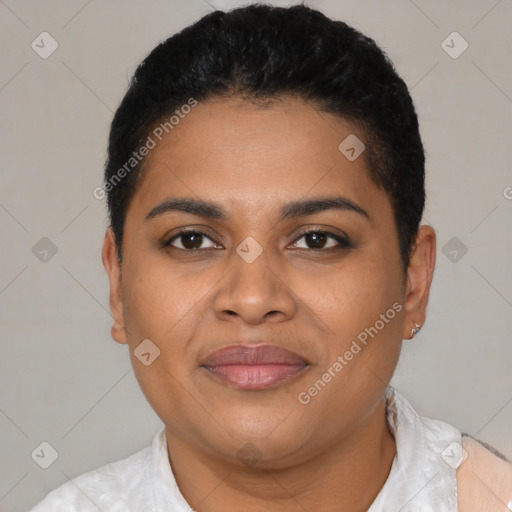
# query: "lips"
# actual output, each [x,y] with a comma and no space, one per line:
[254,366]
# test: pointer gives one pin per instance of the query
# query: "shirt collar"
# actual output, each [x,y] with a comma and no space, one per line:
[423,473]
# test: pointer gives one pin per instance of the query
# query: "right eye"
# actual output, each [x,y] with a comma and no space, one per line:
[189,241]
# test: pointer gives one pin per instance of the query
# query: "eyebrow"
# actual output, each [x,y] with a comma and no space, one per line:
[306,207]
[301,208]
[193,206]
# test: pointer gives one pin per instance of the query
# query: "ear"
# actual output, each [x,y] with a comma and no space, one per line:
[419,279]
[113,268]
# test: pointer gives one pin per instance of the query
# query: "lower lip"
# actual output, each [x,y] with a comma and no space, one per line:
[258,376]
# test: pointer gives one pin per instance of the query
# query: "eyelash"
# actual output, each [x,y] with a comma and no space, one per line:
[343,242]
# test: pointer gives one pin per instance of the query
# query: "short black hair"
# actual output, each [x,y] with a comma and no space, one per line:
[260,53]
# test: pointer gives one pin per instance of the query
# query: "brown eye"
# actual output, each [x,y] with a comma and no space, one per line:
[190,240]
[316,240]
[321,240]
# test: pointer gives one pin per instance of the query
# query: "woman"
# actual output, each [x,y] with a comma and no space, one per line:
[265,183]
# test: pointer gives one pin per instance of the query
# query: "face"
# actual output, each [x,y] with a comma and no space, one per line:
[263,265]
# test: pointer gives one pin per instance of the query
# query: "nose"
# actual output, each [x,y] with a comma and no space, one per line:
[254,293]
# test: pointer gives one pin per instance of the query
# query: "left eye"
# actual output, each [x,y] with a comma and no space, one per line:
[321,240]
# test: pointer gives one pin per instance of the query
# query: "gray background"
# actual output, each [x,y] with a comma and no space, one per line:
[64,381]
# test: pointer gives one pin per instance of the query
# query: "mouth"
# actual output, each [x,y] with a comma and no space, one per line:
[254,367]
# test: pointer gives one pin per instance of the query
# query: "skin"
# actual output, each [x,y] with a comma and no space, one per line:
[335,452]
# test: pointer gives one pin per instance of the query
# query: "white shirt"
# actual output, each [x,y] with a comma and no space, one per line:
[422,476]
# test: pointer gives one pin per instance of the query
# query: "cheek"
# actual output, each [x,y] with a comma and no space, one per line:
[361,305]
[159,301]
[164,308]
[352,296]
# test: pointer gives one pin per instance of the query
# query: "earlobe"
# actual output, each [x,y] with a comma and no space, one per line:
[113,269]
[419,278]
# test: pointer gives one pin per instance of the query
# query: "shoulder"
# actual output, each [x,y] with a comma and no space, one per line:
[484,479]
[105,488]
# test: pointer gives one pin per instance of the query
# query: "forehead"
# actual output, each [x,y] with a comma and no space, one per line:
[252,156]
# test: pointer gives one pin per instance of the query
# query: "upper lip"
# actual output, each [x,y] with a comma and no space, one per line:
[242,354]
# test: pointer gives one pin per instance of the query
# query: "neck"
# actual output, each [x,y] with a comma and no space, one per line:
[347,476]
